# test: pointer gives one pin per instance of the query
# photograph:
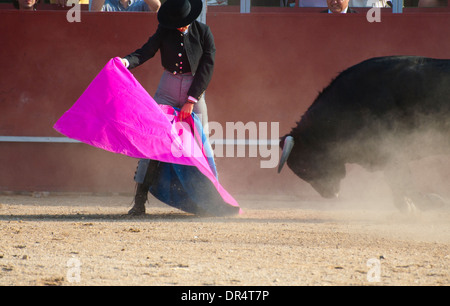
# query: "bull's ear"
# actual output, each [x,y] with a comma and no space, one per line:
[287,148]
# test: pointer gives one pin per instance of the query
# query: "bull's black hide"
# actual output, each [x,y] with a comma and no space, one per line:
[380,114]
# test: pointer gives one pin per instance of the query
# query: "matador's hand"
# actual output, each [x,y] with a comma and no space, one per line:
[186,110]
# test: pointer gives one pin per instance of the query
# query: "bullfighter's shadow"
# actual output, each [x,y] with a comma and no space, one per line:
[175,216]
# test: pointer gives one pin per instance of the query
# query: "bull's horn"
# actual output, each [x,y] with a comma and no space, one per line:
[287,148]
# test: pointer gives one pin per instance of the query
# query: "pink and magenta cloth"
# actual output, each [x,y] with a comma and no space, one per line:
[116,114]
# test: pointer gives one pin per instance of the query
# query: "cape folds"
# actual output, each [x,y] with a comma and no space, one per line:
[116,114]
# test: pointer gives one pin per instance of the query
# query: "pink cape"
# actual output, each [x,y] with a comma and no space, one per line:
[116,114]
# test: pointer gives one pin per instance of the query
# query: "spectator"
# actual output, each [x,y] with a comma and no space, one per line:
[339,7]
[370,3]
[124,5]
[26,5]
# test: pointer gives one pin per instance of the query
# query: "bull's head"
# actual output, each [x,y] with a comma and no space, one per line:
[318,168]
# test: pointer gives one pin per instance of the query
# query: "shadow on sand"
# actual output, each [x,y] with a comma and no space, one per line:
[156,217]
[82,217]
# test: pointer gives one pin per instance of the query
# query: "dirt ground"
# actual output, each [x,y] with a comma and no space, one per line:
[87,240]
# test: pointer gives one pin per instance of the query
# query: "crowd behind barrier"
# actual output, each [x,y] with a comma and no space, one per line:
[226,5]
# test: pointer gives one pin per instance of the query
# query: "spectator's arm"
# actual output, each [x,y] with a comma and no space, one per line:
[96,5]
[154,5]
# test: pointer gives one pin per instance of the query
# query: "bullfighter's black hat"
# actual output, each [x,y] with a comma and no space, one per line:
[179,13]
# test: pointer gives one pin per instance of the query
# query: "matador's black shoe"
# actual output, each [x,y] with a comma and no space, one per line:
[138,208]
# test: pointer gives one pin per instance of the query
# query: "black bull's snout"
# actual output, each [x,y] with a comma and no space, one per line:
[327,187]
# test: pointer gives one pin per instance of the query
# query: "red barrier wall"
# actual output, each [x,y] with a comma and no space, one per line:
[269,68]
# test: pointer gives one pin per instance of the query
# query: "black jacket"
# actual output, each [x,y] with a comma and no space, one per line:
[197,46]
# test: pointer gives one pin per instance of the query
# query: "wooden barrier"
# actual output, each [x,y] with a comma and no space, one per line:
[269,68]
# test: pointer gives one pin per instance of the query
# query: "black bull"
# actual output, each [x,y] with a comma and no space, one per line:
[380,114]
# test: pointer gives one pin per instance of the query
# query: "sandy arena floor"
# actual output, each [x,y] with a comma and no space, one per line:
[87,240]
